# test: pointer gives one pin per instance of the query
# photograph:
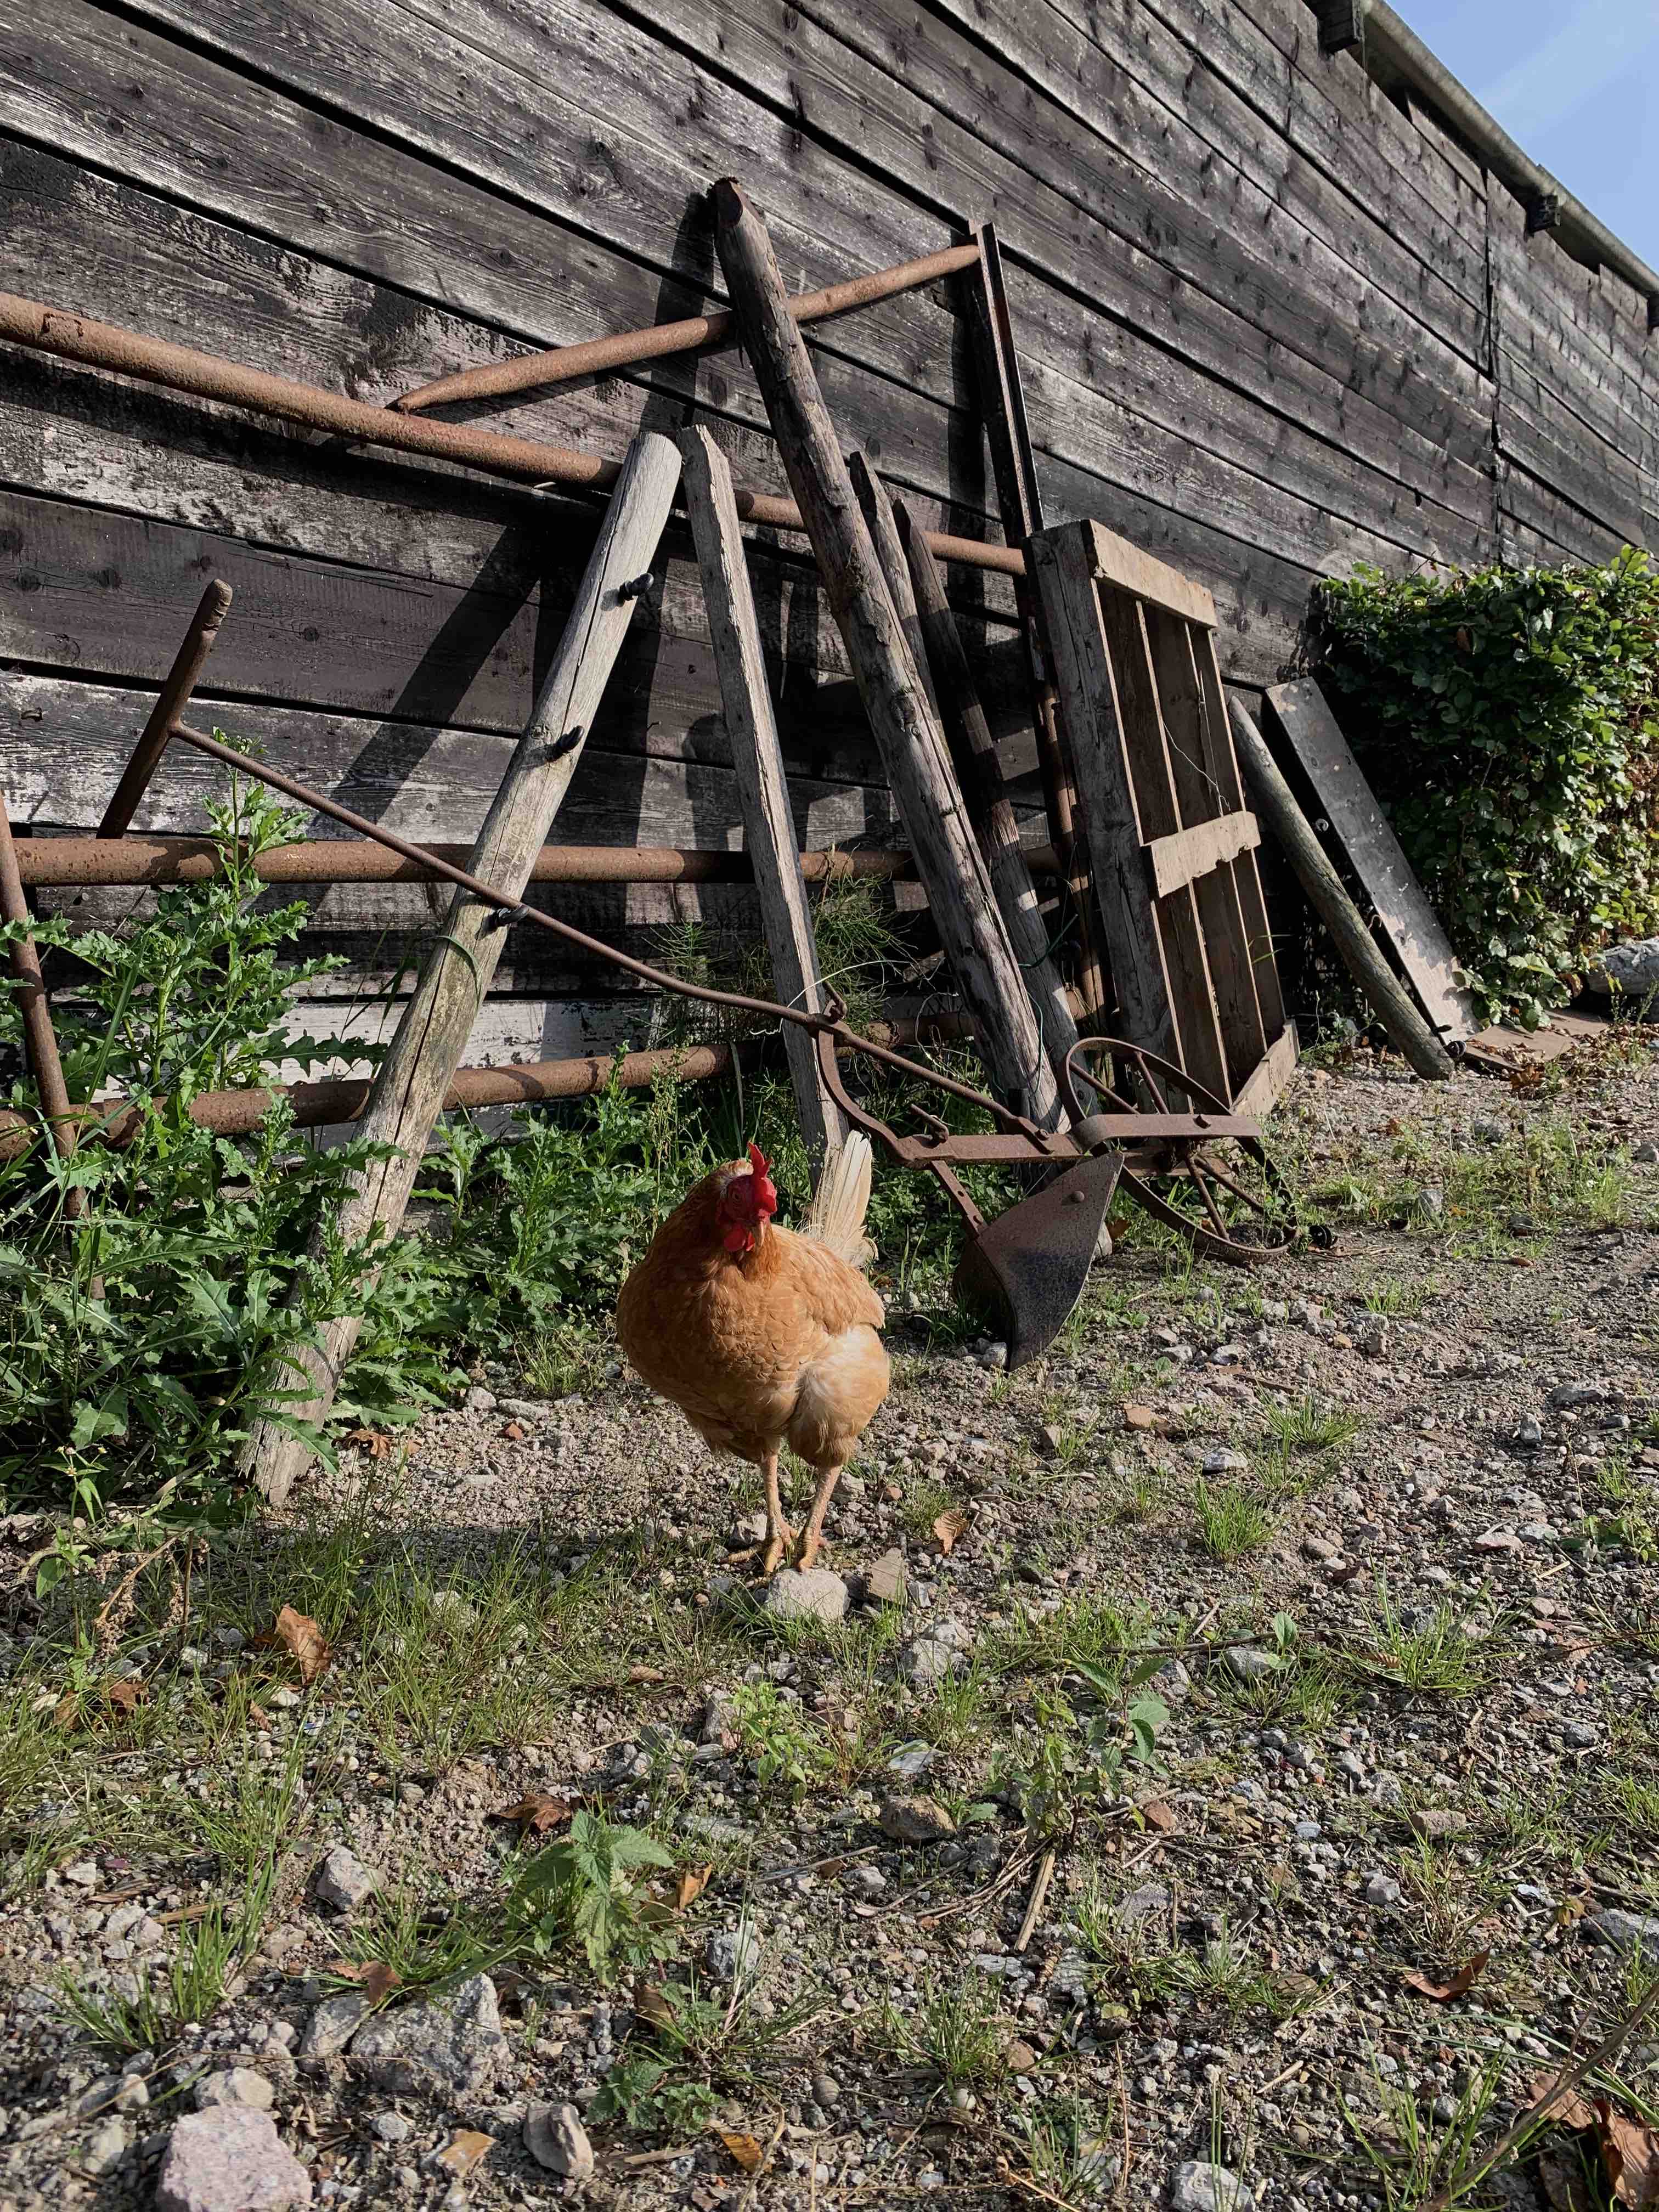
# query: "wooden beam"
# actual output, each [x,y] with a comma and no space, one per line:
[411,1081]
[1342,24]
[979,772]
[757,760]
[911,743]
[1361,954]
[877,512]
[1375,853]
[1265,1086]
[1186,854]
[1116,561]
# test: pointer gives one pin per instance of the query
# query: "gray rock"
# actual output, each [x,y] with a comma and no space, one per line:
[994,1356]
[733,1955]
[915,1819]
[230,2160]
[1172,1681]
[1249,1664]
[235,2085]
[555,2138]
[1226,1462]
[1629,970]
[1627,1931]
[815,1595]
[479,1401]
[1198,2186]
[343,1881]
[884,1583]
[1382,1890]
[457,1613]
[1141,1904]
[1644,1152]
[928,1662]
[333,2024]
[1578,1735]
[826,2090]
[452,2047]
[909,1762]
[106,2147]
[391,2128]
[749,1530]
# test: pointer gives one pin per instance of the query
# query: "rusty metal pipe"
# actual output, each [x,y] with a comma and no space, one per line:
[70,336]
[626,349]
[174,695]
[66,862]
[116,1121]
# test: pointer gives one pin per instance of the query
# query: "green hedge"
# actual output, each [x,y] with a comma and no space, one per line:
[1506,720]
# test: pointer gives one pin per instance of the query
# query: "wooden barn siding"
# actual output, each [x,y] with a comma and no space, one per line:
[1270,325]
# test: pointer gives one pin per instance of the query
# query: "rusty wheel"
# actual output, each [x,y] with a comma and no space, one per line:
[1224,1194]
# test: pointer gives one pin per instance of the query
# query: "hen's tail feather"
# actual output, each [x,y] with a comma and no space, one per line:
[842,1200]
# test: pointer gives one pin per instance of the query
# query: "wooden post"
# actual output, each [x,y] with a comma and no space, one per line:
[911,744]
[411,1081]
[882,525]
[979,773]
[1275,803]
[758,759]
[35,1013]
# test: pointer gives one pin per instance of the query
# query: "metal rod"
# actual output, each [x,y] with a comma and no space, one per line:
[70,336]
[180,681]
[36,1011]
[625,348]
[705,994]
[75,860]
[115,1122]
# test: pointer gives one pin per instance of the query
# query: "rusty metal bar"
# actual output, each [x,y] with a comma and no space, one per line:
[116,1121]
[70,336]
[36,1011]
[174,695]
[627,349]
[62,861]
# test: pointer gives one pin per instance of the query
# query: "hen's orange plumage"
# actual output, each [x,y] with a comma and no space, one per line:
[761,1336]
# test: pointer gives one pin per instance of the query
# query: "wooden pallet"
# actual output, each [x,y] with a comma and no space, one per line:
[1171,843]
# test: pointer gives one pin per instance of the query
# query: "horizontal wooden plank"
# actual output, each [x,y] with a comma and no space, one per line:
[66,742]
[1264,1089]
[1186,854]
[1116,561]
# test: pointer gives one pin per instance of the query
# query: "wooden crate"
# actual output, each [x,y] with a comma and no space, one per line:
[1171,845]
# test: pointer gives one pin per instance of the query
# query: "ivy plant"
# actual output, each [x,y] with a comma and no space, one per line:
[1506,720]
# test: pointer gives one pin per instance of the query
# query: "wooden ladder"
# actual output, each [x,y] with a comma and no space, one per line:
[1171,844]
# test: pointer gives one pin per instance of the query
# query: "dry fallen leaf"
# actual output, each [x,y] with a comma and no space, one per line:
[537,1813]
[1462,1980]
[515,1432]
[373,1976]
[124,1697]
[651,2002]
[467,2150]
[1156,1814]
[1140,1417]
[300,1636]
[373,1441]
[66,1713]
[949,1526]
[693,1882]
[745,2148]
[257,1718]
[645,1674]
[1630,2155]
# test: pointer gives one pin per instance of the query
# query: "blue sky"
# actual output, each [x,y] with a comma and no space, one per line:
[1575,83]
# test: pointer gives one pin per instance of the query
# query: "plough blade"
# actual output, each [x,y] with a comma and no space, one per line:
[1024,1271]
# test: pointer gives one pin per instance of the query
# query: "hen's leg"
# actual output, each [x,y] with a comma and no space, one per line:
[777,1528]
[812,1535]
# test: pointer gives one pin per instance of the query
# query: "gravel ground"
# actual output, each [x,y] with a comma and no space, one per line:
[1377,1523]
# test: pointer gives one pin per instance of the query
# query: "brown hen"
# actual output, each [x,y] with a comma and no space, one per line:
[760,1335]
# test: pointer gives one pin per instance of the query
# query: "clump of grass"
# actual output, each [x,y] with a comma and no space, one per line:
[788,1750]
[954,2034]
[191,1993]
[1223,1976]
[1437,1656]
[1310,1426]
[1395,1299]
[1233,1522]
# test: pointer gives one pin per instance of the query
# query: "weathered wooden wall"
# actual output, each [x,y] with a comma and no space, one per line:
[1271,325]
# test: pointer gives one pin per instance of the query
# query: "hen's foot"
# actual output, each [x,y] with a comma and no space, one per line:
[777,1544]
[807,1551]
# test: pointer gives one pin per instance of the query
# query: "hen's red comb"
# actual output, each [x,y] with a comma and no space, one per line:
[766,1194]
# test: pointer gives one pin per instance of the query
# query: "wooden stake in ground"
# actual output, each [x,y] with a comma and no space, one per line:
[757,760]
[411,1081]
[907,733]
[1390,1001]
